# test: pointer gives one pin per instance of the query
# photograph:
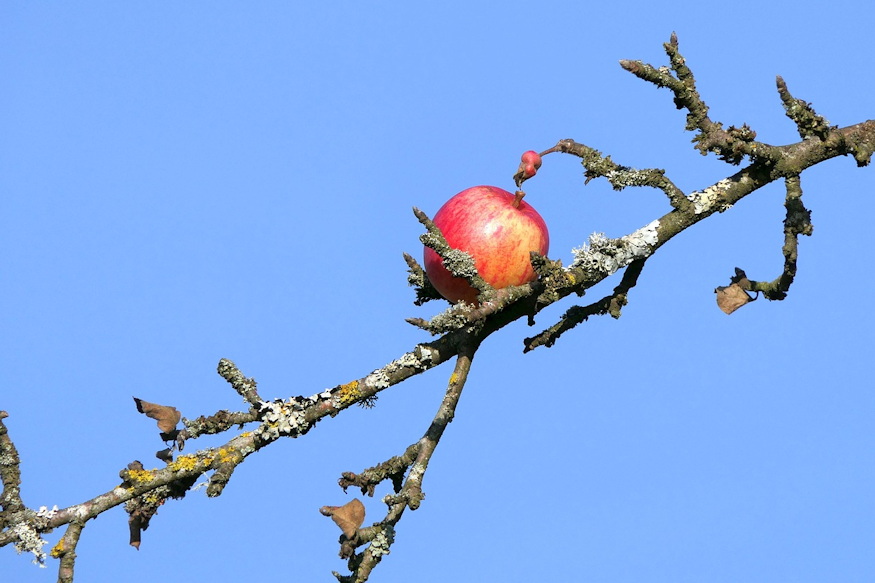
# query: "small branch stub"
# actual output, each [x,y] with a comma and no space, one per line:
[517,198]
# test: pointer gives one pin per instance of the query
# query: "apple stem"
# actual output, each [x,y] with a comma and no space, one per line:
[517,198]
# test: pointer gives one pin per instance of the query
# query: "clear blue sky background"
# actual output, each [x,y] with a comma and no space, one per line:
[183,182]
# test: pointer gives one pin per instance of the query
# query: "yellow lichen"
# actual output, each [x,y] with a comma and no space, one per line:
[140,475]
[453,378]
[349,392]
[58,549]
[184,462]
[228,454]
[154,499]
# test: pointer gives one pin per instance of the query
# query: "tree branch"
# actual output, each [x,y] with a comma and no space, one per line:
[408,494]
[809,124]
[417,278]
[458,263]
[10,474]
[797,222]
[598,166]
[611,304]
[65,550]
[461,330]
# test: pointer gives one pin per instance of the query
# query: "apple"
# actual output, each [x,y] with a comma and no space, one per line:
[498,230]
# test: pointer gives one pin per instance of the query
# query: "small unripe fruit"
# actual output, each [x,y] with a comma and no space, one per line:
[484,222]
[531,161]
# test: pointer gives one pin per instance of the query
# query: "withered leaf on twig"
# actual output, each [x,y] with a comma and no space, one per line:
[138,521]
[734,295]
[166,416]
[135,524]
[348,517]
[731,297]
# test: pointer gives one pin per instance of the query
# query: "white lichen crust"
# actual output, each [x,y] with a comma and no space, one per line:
[603,255]
[711,199]
[383,540]
[453,318]
[425,355]
[378,379]
[283,418]
[29,541]
[45,512]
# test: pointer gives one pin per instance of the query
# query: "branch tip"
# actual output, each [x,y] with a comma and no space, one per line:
[808,123]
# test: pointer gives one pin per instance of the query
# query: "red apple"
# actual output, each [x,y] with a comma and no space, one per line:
[484,222]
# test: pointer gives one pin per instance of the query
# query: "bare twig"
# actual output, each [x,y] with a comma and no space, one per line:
[796,222]
[459,263]
[612,304]
[416,277]
[730,145]
[245,387]
[65,550]
[408,494]
[10,474]
[598,166]
[808,122]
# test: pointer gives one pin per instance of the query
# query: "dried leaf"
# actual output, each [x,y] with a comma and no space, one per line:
[165,455]
[170,435]
[348,517]
[731,297]
[135,525]
[167,417]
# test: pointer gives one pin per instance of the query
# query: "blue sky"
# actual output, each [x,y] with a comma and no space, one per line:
[184,182]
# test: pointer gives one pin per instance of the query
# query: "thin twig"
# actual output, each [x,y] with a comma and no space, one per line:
[808,122]
[620,177]
[65,550]
[459,263]
[730,145]
[416,277]
[796,222]
[10,474]
[611,304]
[415,462]
[245,387]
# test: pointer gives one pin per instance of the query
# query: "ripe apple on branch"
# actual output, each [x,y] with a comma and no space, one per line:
[497,229]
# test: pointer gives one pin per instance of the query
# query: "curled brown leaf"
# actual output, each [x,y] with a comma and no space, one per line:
[166,416]
[348,517]
[731,297]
